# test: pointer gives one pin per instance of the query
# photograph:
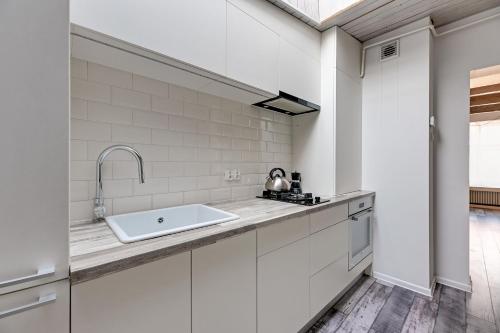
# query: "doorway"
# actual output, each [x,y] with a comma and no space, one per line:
[484,182]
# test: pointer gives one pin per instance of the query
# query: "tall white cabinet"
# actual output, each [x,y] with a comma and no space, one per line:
[331,139]
[34,131]
[397,155]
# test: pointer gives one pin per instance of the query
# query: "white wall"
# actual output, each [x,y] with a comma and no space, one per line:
[396,160]
[455,55]
[327,145]
[186,138]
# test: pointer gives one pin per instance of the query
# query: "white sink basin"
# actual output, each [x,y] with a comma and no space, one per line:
[133,227]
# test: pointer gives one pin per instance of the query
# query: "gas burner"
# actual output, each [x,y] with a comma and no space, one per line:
[305,199]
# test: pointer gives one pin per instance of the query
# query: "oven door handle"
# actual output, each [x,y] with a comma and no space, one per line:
[355,217]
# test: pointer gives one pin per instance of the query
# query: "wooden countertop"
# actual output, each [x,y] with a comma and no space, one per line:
[95,251]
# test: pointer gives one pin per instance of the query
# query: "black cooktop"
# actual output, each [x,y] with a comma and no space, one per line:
[306,199]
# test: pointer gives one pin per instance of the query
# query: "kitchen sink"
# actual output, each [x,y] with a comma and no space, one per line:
[138,226]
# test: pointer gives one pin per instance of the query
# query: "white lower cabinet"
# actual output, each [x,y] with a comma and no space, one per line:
[283,288]
[154,297]
[328,245]
[224,286]
[42,309]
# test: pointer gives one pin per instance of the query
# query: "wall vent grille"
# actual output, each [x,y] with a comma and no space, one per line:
[389,50]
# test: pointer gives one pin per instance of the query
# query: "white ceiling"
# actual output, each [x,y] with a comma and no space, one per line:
[367,19]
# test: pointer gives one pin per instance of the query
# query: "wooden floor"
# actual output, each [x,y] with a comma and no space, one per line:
[373,307]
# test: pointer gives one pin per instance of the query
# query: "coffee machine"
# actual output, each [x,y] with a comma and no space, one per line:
[295,186]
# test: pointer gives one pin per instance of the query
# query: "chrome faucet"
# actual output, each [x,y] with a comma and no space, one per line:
[99,209]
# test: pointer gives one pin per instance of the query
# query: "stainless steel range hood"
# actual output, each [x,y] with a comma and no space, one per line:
[288,104]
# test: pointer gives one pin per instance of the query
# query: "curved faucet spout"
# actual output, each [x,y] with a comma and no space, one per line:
[99,209]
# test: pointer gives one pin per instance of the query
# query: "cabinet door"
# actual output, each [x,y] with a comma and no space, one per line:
[155,297]
[224,286]
[34,131]
[328,245]
[299,73]
[283,289]
[252,51]
[42,309]
[193,31]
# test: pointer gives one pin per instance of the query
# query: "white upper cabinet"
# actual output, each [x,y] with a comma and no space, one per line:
[252,51]
[299,73]
[193,31]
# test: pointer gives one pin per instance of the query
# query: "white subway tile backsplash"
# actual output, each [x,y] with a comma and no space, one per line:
[273,147]
[180,184]
[231,106]
[231,155]
[78,68]
[183,124]
[196,169]
[167,200]
[78,150]
[167,169]
[79,190]
[196,140]
[250,156]
[95,148]
[86,170]
[183,94]
[150,86]
[208,182]
[220,194]
[182,154]
[153,153]
[108,75]
[128,170]
[258,146]
[200,196]
[209,100]
[131,134]
[113,188]
[130,98]
[166,105]
[167,137]
[106,113]
[220,142]
[220,116]
[240,144]
[151,186]
[131,204]
[78,108]
[196,111]
[89,130]
[186,138]
[150,119]
[91,91]
[240,120]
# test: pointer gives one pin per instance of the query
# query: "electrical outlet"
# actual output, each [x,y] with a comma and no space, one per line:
[231,175]
[228,175]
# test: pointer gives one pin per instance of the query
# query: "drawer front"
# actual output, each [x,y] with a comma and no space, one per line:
[277,235]
[360,204]
[327,284]
[328,245]
[39,309]
[328,217]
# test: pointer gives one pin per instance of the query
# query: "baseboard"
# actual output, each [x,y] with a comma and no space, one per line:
[404,284]
[454,284]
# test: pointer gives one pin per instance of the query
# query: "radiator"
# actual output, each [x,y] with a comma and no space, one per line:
[484,196]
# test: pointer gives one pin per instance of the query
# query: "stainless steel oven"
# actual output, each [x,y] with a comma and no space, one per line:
[360,230]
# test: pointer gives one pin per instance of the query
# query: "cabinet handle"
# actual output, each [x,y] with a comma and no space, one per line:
[42,273]
[42,300]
